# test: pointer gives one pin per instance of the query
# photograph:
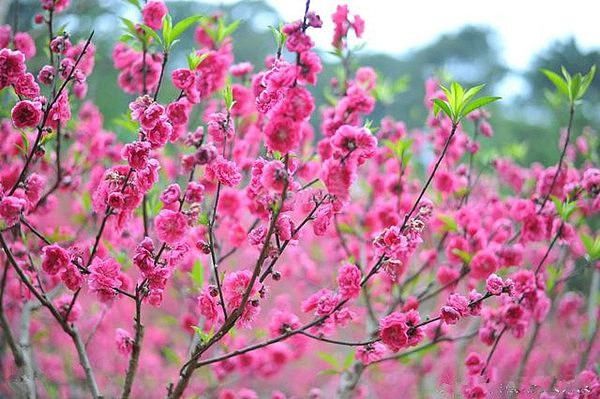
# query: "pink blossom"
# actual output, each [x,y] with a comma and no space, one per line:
[494,284]
[220,127]
[26,114]
[349,277]
[474,363]
[282,322]
[171,194]
[151,116]
[338,178]
[235,285]
[12,66]
[226,172]
[71,277]
[25,44]
[55,5]
[10,209]
[274,176]
[67,308]
[26,86]
[153,13]
[34,185]
[282,134]
[5,34]
[208,306]
[322,302]
[322,220]
[393,331]
[352,141]
[124,341]
[533,229]
[474,392]
[370,353]
[457,306]
[177,112]
[137,154]
[182,78]
[144,256]
[194,192]
[104,278]
[591,181]
[311,67]
[54,259]
[483,264]
[60,112]
[46,75]
[241,69]
[170,226]
[160,133]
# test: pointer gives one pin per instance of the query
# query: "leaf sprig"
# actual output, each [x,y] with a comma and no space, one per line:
[460,102]
[169,34]
[573,87]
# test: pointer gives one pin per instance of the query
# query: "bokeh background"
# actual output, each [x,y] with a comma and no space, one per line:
[502,44]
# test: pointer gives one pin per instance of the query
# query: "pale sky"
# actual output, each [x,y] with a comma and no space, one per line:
[524,26]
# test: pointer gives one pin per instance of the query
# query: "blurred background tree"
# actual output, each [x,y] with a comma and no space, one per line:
[471,55]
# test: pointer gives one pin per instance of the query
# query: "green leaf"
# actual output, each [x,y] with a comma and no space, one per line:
[574,86]
[478,103]
[328,372]
[558,82]
[229,29]
[592,246]
[194,59]
[553,274]
[48,137]
[171,356]
[86,201]
[457,96]
[197,274]
[204,337]
[228,97]
[184,25]
[516,151]
[588,242]
[443,106]
[345,228]
[25,139]
[125,122]
[401,84]
[449,222]
[585,82]
[401,149]
[329,359]
[472,92]
[464,256]
[564,209]
[349,359]
[152,33]
[129,25]
[459,103]
[566,74]
[419,354]
[203,219]
[166,31]
[279,37]
[557,204]
[127,37]
[136,3]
